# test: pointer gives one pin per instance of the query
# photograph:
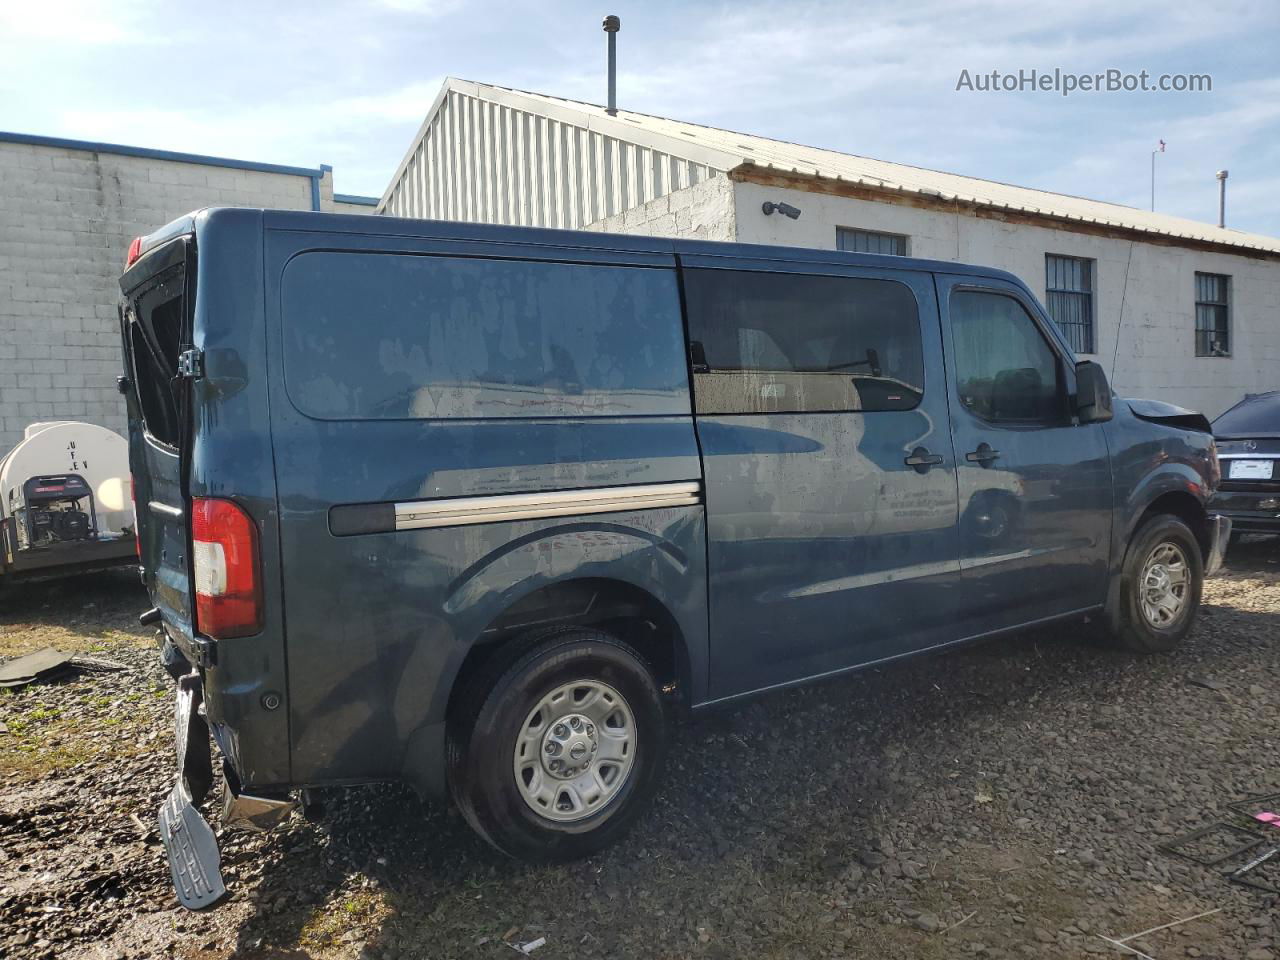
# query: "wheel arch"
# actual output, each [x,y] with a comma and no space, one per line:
[1183,505]
[619,606]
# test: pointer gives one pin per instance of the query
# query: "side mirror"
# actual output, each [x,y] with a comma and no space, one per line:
[1093,393]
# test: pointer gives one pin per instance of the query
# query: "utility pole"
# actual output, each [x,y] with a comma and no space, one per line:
[1222,198]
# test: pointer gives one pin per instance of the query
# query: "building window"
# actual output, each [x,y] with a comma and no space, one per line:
[1069,293]
[868,241]
[1213,318]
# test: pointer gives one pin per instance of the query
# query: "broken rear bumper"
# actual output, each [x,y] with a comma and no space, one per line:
[195,862]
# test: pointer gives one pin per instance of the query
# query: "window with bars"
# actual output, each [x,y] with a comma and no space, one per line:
[1213,315]
[869,241]
[1069,296]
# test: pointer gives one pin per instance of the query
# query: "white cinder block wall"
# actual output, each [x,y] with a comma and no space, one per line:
[701,212]
[67,215]
[1149,350]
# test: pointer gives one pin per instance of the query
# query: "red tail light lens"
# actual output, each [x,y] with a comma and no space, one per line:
[135,251]
[226,569]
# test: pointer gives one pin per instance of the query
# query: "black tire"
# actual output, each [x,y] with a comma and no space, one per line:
[492,711]
[1131,628]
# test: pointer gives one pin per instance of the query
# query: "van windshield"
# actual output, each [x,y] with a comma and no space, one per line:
[153,319]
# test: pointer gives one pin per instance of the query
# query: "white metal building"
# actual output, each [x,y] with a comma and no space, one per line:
[1174,309]
[68,209]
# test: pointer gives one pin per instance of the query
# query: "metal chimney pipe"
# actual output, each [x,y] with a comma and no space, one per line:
[611,26]
[1222,198]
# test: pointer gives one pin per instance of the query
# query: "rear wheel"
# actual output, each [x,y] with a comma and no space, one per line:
[1160,586]
[556,750]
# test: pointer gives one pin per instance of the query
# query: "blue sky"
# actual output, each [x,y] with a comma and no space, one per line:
[346,83]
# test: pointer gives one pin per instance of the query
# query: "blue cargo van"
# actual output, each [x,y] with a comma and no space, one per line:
[478,507]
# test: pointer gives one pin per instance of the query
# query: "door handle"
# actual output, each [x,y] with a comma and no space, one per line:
[983,455]
[921,460]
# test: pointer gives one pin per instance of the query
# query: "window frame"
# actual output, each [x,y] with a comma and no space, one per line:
[1089,295]
[1225,304]
[697,364]
[138,332]
[1048,332]
[904,237]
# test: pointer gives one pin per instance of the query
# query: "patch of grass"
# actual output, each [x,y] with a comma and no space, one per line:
[327,924]
[32,761]
[43,741]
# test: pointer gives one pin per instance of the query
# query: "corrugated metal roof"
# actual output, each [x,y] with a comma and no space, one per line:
[726,149]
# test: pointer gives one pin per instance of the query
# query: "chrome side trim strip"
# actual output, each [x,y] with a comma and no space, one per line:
[1249,456]
[462,511]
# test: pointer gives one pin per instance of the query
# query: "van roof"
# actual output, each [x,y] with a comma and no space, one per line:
[365,225]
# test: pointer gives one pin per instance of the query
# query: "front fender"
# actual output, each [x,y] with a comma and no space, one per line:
[1138,491]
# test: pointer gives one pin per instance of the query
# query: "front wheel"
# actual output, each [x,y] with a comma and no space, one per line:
[557,750]
[1160,586]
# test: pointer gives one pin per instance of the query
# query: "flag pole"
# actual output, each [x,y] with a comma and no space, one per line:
[1159,149]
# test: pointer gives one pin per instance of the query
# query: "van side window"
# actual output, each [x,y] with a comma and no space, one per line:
[787,343]
[397,336]
[153,326]
[1005,370]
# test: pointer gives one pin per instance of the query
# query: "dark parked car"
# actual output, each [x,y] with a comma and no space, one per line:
[474,507]
[1248,437]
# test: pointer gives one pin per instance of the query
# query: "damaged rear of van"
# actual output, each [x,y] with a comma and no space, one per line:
[204,491]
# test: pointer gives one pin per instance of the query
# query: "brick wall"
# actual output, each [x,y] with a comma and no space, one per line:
[66,219]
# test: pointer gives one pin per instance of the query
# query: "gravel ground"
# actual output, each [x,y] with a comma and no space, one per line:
[1001,801]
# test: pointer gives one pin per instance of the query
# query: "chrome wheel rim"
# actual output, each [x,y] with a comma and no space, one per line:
[1165,579]
[575,751]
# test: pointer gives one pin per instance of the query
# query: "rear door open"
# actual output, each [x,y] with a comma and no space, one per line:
[155,318]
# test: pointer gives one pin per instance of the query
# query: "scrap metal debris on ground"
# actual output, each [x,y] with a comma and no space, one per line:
[47,665]
[43,665]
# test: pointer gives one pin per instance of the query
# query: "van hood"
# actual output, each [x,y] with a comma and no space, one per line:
[1157,411]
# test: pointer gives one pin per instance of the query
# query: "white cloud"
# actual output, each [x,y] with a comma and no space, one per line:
[89,23]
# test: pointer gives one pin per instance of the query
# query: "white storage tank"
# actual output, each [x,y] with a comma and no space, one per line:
[65,499]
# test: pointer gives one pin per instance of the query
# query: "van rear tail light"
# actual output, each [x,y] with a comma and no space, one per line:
[135,251]
[226,569]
